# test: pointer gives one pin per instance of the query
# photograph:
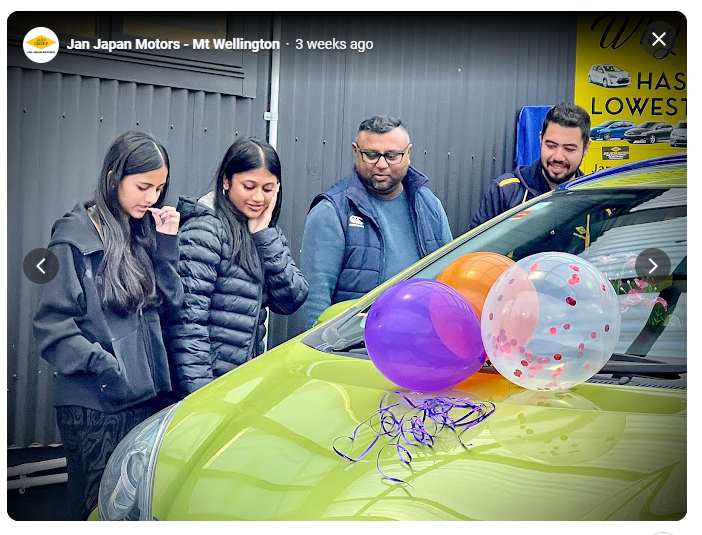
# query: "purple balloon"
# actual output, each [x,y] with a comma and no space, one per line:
[424,336]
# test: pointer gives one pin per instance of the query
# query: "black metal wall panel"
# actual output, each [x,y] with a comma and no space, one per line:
[459,80]
[59,128]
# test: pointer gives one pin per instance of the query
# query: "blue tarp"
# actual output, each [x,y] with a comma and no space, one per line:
[528,127]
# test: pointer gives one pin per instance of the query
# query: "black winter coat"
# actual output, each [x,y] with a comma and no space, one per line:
[104,361]
[221,323]
[512,189]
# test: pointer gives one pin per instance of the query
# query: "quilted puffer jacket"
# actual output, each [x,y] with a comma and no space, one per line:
[221,323]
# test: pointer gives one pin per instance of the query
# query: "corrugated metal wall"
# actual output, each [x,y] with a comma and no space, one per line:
[458,79]
[59,128]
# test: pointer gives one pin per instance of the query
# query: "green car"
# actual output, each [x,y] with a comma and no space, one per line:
[259,443]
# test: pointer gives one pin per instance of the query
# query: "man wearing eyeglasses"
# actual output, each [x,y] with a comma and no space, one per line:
[371,224]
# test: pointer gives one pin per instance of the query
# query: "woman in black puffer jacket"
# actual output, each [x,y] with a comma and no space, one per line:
[234,262]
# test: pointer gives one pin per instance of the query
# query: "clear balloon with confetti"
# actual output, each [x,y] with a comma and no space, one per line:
[550,322]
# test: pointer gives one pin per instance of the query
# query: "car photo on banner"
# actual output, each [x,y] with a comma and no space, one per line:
[678,137]
[608,75]
[649,132]
[534,368]
[611,130]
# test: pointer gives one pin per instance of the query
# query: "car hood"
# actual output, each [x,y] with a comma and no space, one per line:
[257,445]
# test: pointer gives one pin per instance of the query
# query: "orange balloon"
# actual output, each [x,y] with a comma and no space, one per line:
[474,274]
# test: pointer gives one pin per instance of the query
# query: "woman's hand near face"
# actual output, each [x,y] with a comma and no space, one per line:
[262,221]
[166,218]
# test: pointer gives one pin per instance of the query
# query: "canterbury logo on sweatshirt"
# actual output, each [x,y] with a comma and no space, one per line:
[356,221]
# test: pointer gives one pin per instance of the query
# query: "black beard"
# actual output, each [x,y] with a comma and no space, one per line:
[561,180]
[370,187]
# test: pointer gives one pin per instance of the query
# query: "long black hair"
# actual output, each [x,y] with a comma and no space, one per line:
[127,272]
[245,155]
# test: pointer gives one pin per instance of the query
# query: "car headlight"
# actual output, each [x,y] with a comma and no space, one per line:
[127,484]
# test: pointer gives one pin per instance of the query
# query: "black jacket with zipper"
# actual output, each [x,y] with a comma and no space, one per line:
[104,361]
[512,189]
[221,323]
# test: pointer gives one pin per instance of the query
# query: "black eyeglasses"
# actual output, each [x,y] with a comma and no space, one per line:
[373,156]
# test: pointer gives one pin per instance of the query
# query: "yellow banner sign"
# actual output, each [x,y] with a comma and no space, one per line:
[631,77]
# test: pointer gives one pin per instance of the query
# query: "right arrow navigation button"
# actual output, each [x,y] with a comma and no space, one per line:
[652,263]
[650,272]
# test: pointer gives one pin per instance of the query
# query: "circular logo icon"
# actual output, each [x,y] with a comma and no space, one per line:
[40,266]
[40,45]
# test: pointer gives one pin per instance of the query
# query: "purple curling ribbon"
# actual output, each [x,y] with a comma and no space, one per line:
[419,423]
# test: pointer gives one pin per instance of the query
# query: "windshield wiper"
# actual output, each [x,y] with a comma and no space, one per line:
[620,364]
[344,338]
[348,346]
[644,369]
[624,365]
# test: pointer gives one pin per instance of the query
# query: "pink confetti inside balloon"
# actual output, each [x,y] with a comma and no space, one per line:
[562,290]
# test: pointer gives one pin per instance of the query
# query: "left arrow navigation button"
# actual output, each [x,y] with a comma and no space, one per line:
[40,266]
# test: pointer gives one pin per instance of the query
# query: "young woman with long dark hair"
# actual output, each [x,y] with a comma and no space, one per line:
[234,263]
[98,320]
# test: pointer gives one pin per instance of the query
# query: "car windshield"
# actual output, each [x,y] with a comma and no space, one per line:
[681,124]
[648,124]
[612,68]
[606,123]
[609,228]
